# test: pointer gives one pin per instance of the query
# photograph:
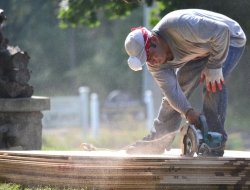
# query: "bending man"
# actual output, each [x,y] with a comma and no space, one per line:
[184,49]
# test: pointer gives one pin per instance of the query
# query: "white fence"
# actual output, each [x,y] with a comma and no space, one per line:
[78,111]
[64,112]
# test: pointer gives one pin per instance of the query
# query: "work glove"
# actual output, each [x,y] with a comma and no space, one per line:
[213,77]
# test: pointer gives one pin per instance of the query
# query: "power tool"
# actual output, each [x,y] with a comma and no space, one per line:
[200,141]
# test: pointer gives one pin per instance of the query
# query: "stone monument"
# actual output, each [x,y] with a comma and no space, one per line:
[20,112]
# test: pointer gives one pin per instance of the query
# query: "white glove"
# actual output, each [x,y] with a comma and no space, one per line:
[213,77]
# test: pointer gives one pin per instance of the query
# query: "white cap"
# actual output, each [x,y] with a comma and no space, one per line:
[135,47]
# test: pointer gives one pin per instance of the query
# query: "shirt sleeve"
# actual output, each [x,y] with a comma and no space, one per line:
[167,80]
[197,29]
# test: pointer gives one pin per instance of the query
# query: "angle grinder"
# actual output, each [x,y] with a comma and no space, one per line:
[200,141]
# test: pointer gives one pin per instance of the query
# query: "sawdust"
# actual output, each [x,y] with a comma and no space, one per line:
[157,146]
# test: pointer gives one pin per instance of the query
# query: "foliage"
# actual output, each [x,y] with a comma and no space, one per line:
[87,12]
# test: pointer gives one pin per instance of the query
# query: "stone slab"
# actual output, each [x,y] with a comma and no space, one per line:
[35,103]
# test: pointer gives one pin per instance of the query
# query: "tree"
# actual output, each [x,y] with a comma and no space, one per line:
[88,12]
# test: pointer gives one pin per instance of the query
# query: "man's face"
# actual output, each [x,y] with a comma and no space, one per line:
[157,55]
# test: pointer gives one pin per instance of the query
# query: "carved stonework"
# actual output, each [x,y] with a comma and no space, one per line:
[14,73]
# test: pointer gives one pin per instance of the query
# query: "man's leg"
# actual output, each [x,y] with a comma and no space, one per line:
[215,104]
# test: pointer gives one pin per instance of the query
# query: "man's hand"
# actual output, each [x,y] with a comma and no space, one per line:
[193,118]
[213,77]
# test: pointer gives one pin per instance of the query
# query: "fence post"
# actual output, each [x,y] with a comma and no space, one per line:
[149,108]
[94,107]
[84,98]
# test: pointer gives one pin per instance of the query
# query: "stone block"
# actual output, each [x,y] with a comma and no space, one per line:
[21,122]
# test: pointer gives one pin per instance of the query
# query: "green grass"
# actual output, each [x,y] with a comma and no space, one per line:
[113,136]
[110,136]
[11,186]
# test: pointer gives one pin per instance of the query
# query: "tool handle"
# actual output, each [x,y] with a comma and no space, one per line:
[204,127]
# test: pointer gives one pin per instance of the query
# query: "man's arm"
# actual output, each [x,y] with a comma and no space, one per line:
[167,81]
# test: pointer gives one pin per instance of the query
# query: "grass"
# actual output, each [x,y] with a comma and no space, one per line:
[10,186]
[110,136]
[113,136]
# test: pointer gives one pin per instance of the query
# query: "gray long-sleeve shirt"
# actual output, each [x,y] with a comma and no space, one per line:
[193,34]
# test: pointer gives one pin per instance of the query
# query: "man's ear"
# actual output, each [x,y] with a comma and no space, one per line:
[154,39]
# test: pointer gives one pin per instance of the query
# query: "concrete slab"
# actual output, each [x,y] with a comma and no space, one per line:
[35,103]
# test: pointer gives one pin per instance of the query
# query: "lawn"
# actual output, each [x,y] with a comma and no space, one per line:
[114,136]
[11,186]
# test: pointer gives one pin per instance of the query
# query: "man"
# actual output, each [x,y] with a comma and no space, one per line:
[185,48]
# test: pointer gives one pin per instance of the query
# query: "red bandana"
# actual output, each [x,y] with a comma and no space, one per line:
[145,37]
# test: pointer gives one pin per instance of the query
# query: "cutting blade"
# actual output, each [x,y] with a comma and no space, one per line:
[190,142]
